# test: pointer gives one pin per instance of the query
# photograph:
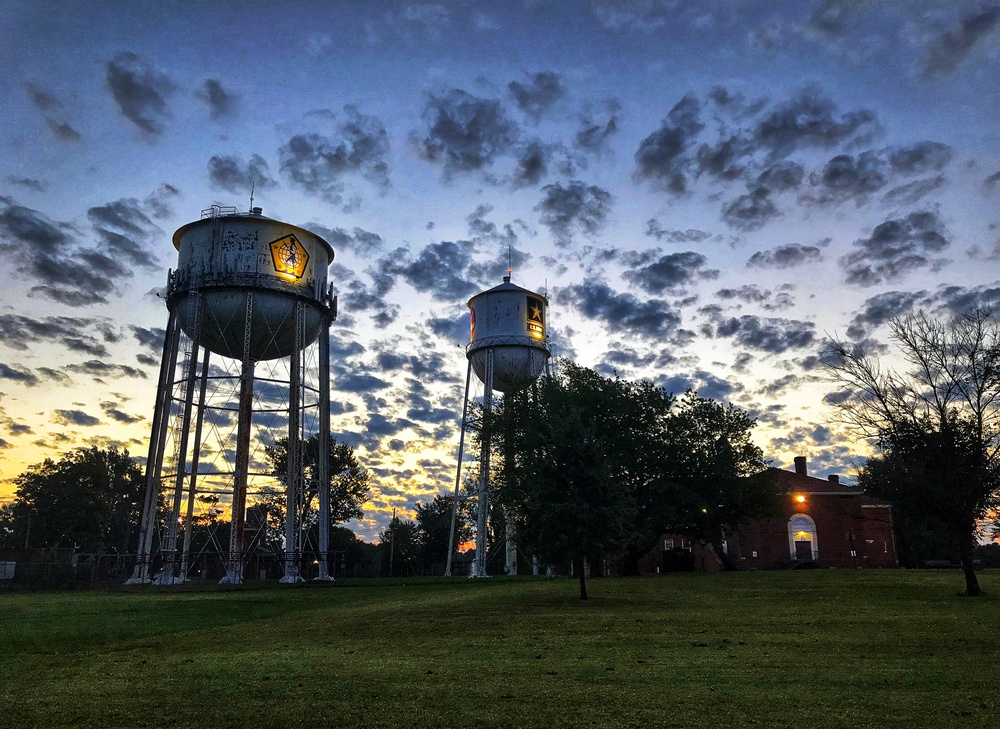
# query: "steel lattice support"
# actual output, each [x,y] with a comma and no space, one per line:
[234,571]
[482,516]
[294,481]
[323,464]
[154,457]
[195,461]
[458,471]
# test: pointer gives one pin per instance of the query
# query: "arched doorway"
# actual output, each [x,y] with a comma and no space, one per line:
[802,542]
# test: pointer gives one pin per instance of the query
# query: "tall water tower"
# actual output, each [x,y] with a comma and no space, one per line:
[508,350]
[249,292]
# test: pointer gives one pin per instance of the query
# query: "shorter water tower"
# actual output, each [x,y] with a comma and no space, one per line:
[508,350]
[245,363]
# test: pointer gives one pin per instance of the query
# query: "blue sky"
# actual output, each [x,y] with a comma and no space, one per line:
[705,190]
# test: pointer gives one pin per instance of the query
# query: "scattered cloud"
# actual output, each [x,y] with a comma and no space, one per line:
[51,108]
[140,90]
[895,248]
[231,173]
[18,374]
[322,164]
[574,207]
[621,312]
[786,256]
[947,51]
[222,104]
[463,132]
[655,273]
[74,418]
[538,94]
[772,335]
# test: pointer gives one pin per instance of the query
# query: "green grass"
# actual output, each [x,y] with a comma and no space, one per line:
[811,649]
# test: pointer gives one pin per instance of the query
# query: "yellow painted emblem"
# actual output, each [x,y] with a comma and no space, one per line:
[289,257]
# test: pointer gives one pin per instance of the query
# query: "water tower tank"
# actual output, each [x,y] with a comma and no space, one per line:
[227,255]
[509,320]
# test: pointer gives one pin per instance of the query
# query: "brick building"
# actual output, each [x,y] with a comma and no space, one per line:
[825,524]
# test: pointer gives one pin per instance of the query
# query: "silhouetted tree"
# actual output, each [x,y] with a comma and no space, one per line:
[596,464]
[88,500]
[935,426]
[7,525]
[399,547]
[350,482]
[434,529]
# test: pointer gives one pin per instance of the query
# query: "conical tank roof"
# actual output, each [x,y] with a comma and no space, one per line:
[507,286]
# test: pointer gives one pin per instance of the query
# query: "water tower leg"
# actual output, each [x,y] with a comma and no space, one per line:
[458,471]
[154,457]
[195,457]
[244,422]
[293,478]
[484,470]
[323,457]
[168,575]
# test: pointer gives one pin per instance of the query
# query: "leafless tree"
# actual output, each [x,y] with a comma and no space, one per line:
[935,424]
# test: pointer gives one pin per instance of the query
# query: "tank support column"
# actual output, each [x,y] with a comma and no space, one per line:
[294,481]
[168,575]
[154,457]
[458,471]
[323,457]
[479,566]
[195,457]
[244,422]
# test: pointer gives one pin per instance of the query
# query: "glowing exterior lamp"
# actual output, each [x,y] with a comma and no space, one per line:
[800,499]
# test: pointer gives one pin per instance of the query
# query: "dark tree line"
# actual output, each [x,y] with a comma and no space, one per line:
[88,500]
[420,546]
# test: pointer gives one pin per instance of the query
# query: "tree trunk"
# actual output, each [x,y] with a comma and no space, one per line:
[630,564]
[966,544]
[580,563]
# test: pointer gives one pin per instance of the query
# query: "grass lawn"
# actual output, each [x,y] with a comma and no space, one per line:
[803,649]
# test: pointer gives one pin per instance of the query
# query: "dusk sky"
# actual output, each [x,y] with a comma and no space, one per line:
[705,190]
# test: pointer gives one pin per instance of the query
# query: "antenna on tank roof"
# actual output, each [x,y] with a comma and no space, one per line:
[252,181]
[509,264]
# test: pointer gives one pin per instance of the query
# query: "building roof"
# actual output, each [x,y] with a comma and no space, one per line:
[798,481]
[789,481]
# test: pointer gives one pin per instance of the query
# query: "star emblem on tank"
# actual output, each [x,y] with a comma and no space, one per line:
[536,317]
[289,256]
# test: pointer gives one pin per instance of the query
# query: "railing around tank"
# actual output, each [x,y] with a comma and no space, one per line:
[219,210]
[311,290]
[507,340]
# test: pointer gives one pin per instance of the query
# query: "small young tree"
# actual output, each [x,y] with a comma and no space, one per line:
[350,482]
[560,487]
[936,425]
